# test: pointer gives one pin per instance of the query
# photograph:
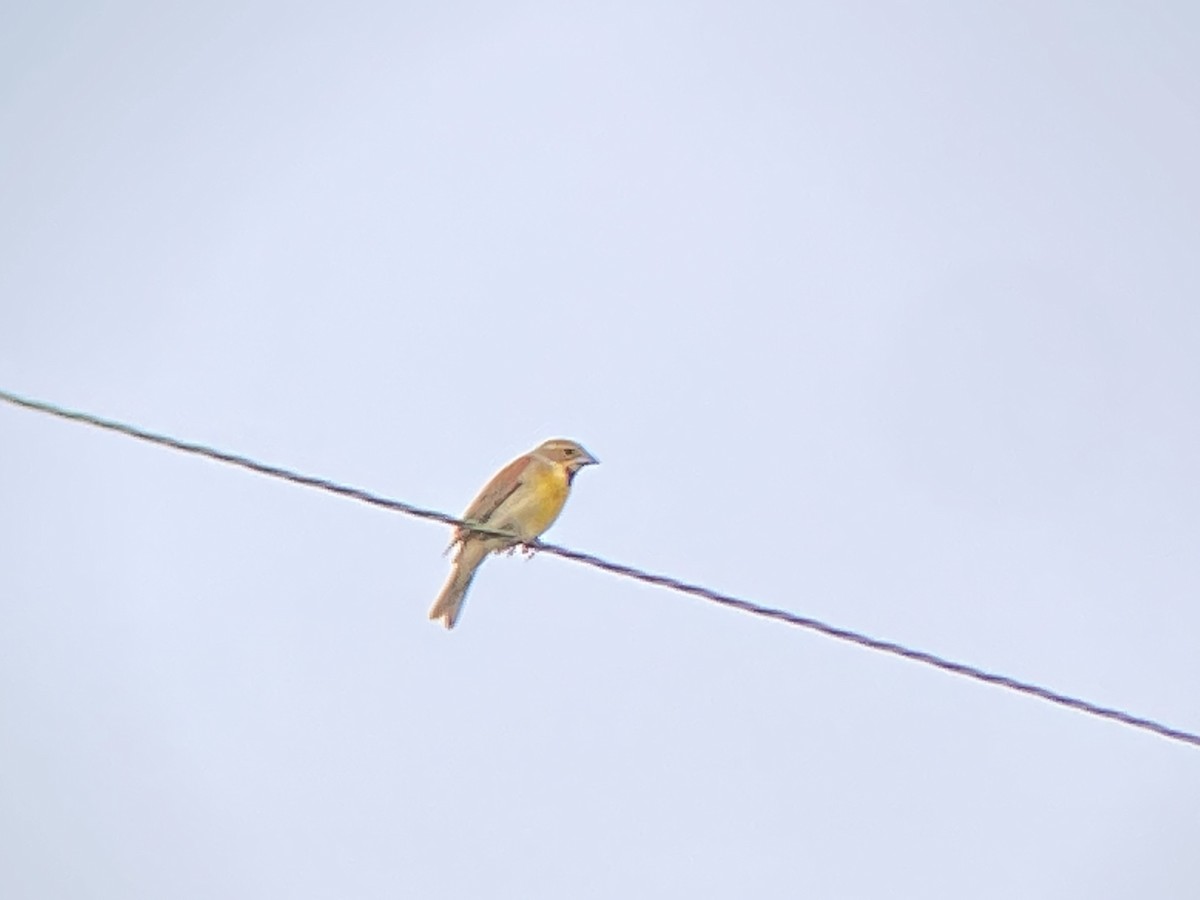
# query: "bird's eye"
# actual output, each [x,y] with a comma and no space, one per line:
[568,451]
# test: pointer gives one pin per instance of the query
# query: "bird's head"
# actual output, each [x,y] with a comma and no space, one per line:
[568,454]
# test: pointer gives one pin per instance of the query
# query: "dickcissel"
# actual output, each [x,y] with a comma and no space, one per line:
[522,500]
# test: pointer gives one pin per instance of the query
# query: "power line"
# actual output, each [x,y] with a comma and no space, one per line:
[695,590]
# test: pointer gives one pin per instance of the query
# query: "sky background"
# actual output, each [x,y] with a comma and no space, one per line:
[882,313]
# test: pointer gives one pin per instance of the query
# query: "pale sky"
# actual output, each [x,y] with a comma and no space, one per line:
[885,314]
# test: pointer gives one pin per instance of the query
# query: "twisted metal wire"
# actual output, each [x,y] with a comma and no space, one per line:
[842,634]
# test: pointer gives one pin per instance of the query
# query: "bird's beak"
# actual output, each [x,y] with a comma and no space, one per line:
[588,459]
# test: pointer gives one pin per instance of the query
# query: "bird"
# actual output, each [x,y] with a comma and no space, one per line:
[522,500]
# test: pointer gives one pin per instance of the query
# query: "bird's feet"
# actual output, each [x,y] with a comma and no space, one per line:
[527,549]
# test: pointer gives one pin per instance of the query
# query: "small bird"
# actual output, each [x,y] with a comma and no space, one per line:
[522,499]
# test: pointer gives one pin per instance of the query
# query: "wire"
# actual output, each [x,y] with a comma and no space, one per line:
[695,590]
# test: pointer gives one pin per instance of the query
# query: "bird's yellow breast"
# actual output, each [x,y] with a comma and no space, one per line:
[540,501]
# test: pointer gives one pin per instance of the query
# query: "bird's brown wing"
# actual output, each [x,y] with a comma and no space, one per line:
[495,492]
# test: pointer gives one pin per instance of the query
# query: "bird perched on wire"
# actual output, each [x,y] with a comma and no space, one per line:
[522,500]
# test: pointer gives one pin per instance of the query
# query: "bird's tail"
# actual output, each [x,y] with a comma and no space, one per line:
[449,602]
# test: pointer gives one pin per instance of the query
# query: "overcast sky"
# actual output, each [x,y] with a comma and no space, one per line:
[886,314]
